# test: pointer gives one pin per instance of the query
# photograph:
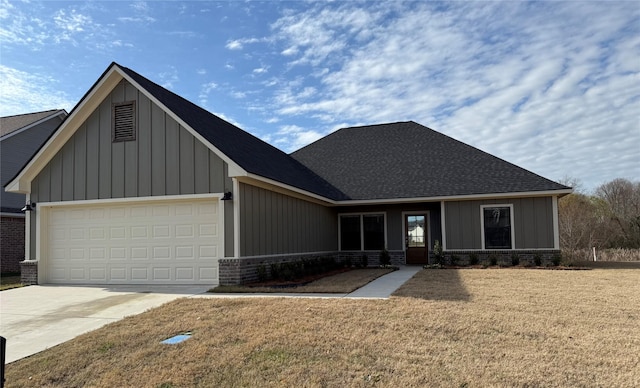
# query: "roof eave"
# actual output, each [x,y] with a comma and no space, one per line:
[465,197]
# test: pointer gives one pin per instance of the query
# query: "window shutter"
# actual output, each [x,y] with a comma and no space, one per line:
[124,121]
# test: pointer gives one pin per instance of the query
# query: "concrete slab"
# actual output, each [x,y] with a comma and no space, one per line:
[385,285]
[35,318]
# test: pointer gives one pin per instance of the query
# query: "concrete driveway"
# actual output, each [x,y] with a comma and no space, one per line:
[35,318]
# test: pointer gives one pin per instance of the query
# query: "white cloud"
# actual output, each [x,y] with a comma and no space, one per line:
[528,82]
[24,92]
[260,70]
[239,44]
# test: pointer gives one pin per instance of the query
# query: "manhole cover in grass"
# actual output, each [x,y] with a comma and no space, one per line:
[176,339]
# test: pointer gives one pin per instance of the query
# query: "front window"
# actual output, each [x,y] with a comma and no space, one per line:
[497,227]
[362,232]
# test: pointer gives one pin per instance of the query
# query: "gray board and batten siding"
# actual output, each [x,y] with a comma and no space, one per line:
[165,159]
[533,222]
[272,223]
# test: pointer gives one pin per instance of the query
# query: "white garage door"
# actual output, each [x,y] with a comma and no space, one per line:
[141,243]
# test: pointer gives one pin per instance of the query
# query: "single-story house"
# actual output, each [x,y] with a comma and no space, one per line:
[140,186]
[20,137]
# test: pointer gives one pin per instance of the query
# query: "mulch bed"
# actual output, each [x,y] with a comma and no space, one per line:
[297,282]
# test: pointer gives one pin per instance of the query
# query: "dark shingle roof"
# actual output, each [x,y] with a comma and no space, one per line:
[408,160]
[252,154]
[10,124]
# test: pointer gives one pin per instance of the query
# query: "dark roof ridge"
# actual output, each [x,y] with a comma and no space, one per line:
[32,113]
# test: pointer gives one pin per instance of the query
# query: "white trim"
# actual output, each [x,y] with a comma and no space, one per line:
[27,232]
[42,220]
[42,120]
[556,225]
[454,197]
[12,215]
[443,226]
[236,217]
[107,201]
[22,182]
[361,214]
[511,225]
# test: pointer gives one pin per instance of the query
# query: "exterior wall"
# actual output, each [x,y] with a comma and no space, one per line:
[165,159]
[395,221]
[533,223]
[11,243]
[272,223]
[15,152]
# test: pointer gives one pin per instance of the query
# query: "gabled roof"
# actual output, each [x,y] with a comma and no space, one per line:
[10,124]
[408,160]
[250,153]
[254,157]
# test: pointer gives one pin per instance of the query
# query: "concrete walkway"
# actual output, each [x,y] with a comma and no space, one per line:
[381,288]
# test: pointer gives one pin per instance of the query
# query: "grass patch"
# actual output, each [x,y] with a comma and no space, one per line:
[342,283]
[8,282]
[501,328]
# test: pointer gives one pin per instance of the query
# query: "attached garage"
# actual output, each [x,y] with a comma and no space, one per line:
[141,242]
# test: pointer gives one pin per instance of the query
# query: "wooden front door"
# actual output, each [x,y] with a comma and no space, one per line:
[416,244]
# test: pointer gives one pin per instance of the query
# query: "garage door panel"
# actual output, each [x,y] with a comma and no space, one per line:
[170,243]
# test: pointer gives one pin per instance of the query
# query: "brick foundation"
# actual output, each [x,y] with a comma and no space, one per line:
[526,257]
[234,271]
[11,244]
[29,272]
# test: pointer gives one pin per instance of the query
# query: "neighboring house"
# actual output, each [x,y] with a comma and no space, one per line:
[20,137]
[140,186]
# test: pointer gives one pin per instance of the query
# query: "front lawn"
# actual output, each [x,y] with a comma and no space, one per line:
[448,328]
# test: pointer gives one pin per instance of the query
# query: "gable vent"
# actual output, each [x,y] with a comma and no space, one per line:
[124,121]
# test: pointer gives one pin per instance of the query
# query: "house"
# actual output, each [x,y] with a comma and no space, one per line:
[140,186]
[20,137]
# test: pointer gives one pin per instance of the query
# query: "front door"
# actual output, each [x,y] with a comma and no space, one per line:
[415,226]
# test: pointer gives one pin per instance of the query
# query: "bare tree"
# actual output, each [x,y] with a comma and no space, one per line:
[622,198]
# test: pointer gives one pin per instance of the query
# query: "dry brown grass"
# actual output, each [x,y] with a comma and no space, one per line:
[9,282]
[617,254]
[450,328]
[342,283]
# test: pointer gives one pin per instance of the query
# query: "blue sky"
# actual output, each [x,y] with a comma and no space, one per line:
[553,87]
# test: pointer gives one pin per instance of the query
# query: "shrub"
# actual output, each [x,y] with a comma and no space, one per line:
[473,259]
[556,259]
[385,258]
[437,252]
[262,272]
[364,260]
[347,262]
[537,259]
[454,259]
[275,270]
[493,260]
[515,259]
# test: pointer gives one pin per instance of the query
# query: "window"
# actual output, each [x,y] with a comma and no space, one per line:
[124,121]
[497,226]
[362,232]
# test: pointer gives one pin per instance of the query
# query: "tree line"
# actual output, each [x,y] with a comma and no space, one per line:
[607,218]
